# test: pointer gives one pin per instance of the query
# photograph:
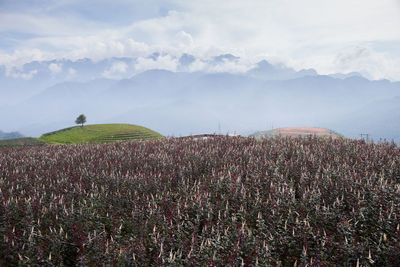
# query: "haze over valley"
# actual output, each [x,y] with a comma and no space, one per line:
[184,102]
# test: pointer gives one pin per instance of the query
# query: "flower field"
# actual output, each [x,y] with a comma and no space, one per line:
[222,201]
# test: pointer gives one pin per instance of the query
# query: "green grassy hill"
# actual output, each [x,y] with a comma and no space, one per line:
[99,133]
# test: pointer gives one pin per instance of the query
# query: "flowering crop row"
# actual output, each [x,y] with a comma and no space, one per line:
[221,201]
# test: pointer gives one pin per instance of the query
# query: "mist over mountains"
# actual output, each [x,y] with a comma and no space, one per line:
[45,96]
[13,135]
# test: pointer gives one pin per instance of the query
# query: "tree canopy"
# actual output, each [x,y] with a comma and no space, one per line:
[81,119]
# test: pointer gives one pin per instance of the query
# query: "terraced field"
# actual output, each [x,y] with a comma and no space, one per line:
[100,133]
[139,135]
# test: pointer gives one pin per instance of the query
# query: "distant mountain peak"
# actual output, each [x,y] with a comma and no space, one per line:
[345,75]
[186,60]
[267,71]
[263,64]
[226,57]
[12,135]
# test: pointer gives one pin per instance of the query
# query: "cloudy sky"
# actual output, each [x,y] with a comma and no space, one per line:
[329,36]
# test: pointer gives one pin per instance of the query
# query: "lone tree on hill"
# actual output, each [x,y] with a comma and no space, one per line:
[81,120]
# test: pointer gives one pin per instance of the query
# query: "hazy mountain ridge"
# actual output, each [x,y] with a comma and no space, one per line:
[12,135]
[266,71]
[179,103]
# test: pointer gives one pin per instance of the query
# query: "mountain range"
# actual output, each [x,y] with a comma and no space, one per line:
[184,101]
[13,135]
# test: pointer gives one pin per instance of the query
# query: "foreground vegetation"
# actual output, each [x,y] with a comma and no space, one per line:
[221,201]
[99,133]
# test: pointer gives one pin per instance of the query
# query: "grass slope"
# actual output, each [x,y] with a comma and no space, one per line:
[99,133]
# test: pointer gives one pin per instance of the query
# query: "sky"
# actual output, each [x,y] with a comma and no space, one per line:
[338,36]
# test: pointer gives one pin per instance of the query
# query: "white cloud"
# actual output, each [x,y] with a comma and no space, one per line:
[165,62]
[71,71]
[363,59]
[307,33]
[184,39]
[197,65]
[55,68]
[369,63]
[230,66]
[98,48]
[116,71]
[16,74]
[74,48]
[41,25]
[20,57]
